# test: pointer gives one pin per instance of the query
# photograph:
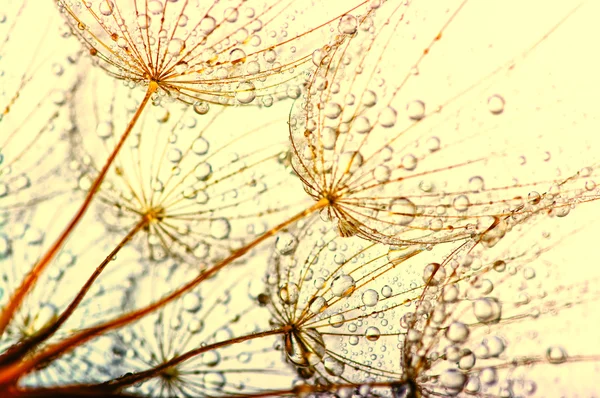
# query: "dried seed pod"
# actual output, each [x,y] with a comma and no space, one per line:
[228,52]
[424,127]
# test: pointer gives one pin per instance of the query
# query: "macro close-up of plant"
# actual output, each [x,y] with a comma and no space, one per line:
[269,198]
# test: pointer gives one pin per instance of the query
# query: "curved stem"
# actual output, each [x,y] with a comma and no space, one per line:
[29,281]
[13,372]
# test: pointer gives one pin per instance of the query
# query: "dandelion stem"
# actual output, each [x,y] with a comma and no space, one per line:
[13,372]
[29,281]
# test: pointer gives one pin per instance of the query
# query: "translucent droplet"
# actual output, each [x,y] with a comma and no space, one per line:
[556,355]
[415,110]
[370,298]
[453,378]
[192,302]
[106,7]
[387,117]
[386,291]
[317,305]
[200,146]
[245,92]
[403,211]
[372,333]
[104,130]
[457,332]
[286,243]
[220,228]
[289,293]
[332,110]
[348,24]
[337,320]
[201,108]
[434,274]
[487,310]
[461,203]
[333,366]
[382,173]
[342,286]
[207,25]
[496,104]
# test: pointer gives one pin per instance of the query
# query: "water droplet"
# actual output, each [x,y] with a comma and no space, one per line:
[342,286]
[496,104]
[382,173]
[286,243]
[192,302]
[201,108]
[487,310]
[333,366]
[370,298]
[317,305]
[348,24]
[461,203]
[245,92]
[220,228]
[372,333]
[434,274]
[289,293]
[106,7]
[452,378]
[332,110]
[415,110]
[556,355]
[457,332]
[387,117]
[403,211]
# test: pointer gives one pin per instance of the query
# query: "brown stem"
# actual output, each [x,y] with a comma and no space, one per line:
[147,374]
[14,372]
[29,281]
[18,351]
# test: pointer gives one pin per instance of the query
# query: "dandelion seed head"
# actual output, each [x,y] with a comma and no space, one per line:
[222,53]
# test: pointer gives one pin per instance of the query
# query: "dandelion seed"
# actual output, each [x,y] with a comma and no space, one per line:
[432,157]
[219,53]
[203,190]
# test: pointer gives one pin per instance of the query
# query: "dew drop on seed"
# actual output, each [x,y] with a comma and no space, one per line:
[333,366]
[317,305]
[289,293]
[556,355]
[370,298]
[220,228]
[496,104]
[348,24]
[245,92]
[415,110]
[487,309]
[332,110]
[387,117]
[434,274]
[200,146]
[457,332]
[452,378]
[372,333]
[461,203]
[286,243]
[342,286]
